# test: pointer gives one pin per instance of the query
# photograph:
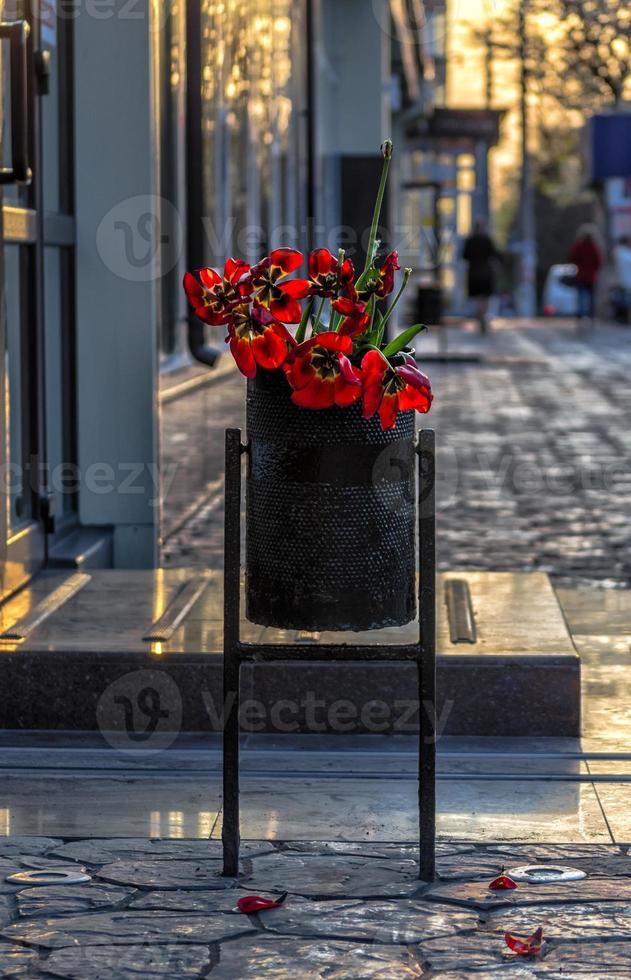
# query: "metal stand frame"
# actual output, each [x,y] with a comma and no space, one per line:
[422,653]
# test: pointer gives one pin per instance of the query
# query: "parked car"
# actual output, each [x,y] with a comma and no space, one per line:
[559,297]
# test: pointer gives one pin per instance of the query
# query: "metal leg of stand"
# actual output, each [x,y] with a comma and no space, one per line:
[427,655]
[230,834]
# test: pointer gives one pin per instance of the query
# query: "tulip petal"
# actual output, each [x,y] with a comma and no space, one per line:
[347,272]
[346,394]
[413,376]
[269,350]
[213,318]
[322,262]
[353,326]
[241,350]
[420,399]
[256,903]
[374,363]
[281,330]
[287,259]
[388,411]
[317,394]
[525,947]
[296,288]
[503,883]
[235,269]
[209,277]
[348,307]
[334,341]
[348,373]
[300,372]
[373,394]
[286,309]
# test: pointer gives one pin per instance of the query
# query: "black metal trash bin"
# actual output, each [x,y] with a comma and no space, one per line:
[330,515]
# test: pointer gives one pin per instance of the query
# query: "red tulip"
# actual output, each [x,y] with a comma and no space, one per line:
[256,338]
[389,390]
[525,947]
[386,274]
[328,275]
[379,282]
[213,297]
[280,298]
[321,374]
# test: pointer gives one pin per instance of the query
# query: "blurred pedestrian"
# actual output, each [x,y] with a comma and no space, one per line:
[480,253]
[622,287]
[586,254]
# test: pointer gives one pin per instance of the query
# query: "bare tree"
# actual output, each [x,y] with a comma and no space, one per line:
[579,57]
[594,46]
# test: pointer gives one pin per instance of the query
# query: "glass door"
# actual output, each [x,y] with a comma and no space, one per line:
[23,488]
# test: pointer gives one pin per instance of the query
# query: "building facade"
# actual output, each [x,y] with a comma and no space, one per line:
[159,136]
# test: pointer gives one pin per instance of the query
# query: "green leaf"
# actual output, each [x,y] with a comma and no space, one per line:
[373,337]
[404,339]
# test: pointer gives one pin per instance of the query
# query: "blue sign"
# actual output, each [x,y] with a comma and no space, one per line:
[48,17]
[610,145]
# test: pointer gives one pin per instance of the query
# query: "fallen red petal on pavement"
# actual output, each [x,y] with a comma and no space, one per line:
[503,883]
[525,947]
[256,903]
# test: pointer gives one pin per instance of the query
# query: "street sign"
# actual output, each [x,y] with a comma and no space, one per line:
[609,145]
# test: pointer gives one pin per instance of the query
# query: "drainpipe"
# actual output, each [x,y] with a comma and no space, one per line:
[195,244]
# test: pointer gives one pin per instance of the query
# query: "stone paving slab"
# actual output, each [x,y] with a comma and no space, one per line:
[469,866]
[126,928]
[281,959]
[187,900]
[5,910]
[610,959]
[130,963]
[570,922]
[399,923]
[18,961]
[167,874]
[61,899]
[476,954]
[325,876]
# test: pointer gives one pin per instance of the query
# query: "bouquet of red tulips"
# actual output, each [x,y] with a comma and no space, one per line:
[338,353]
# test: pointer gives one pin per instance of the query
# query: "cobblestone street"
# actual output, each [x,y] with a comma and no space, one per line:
[534,433]
[159,908]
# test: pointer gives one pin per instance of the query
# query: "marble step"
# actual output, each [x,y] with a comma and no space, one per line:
[89,665]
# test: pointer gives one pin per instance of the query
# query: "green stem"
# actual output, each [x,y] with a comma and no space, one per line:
[319,317]
[336,318]
[371,309]
[386,150]
[302,329]
[406,278]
